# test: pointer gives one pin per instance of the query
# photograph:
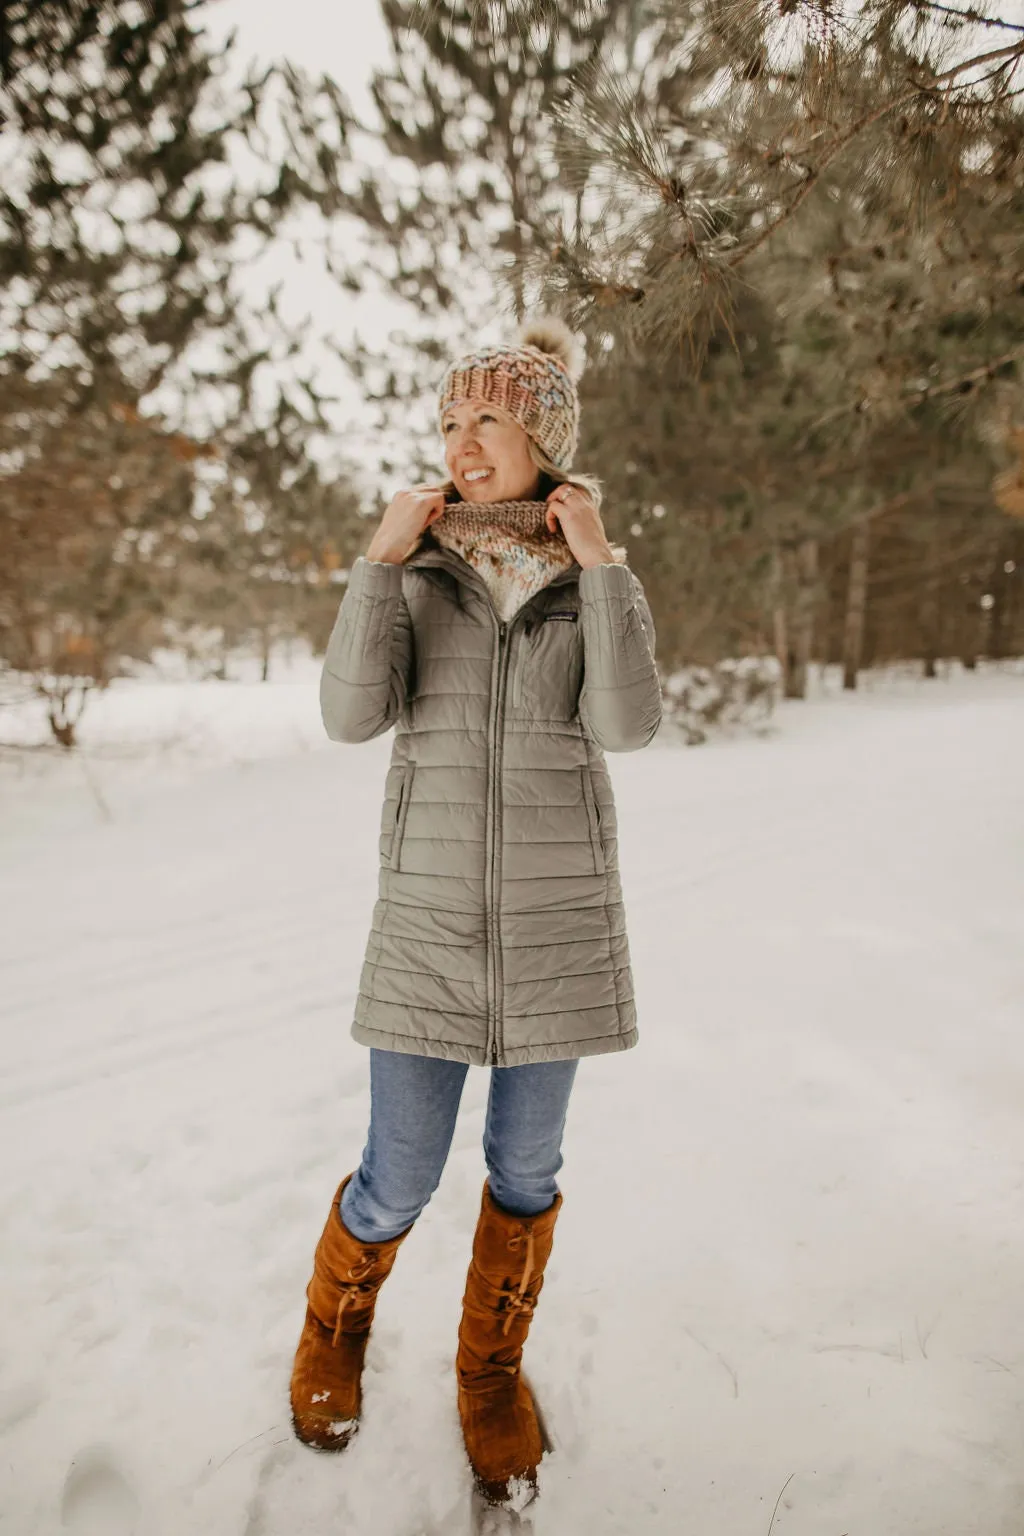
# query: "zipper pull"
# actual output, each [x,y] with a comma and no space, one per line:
[502,630]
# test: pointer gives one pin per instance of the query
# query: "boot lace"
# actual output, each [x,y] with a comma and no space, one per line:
[351,1289]
[518,1300]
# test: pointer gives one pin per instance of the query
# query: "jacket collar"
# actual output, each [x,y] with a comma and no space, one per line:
[430,556]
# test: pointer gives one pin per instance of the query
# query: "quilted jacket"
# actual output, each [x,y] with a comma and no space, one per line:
[499,935]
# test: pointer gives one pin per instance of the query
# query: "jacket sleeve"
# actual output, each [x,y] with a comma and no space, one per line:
[620,702]
[365,680]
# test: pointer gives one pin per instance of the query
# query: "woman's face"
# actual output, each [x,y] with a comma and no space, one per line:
[487,454]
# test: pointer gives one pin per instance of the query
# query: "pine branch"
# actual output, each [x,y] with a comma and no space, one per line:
[961,383]
[1014,51]
[890,504]
[498,16]
[965,382]
[976,17]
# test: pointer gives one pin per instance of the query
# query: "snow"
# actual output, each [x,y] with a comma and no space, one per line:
[785,1290]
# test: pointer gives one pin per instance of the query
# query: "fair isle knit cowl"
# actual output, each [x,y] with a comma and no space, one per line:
[509,546]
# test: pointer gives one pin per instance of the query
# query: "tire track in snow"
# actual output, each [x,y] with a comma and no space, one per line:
[743,854]
[107,1063]
[167,958]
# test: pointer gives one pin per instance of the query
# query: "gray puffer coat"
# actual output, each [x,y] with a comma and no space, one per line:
[499,936]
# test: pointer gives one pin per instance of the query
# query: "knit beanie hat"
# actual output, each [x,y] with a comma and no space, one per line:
[534,381]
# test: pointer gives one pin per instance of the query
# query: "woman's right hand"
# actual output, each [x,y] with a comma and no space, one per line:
[404,521]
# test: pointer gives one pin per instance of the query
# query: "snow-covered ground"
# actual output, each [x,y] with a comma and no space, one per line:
[791,1257]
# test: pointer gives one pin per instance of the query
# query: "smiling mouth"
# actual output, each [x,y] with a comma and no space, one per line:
[472,476]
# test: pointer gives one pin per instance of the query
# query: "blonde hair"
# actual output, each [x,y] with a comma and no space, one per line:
[587,483]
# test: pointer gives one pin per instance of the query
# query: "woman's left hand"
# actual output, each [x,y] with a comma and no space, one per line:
[571,508]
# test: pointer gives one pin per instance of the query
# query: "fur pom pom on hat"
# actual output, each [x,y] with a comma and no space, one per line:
[534,381]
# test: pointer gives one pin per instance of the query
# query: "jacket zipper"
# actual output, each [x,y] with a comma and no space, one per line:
[494,850]
[594,819]
[496,974]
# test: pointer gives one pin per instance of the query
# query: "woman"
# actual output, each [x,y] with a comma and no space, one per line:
[495,627]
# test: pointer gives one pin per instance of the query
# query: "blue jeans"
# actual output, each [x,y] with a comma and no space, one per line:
[414,1101]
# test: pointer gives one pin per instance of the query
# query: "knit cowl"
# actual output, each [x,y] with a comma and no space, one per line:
[509,546]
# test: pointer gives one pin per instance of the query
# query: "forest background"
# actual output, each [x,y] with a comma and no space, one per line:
[790,232]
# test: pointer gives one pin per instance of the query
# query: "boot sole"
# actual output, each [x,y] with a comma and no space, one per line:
[490,1518]
[330,1445]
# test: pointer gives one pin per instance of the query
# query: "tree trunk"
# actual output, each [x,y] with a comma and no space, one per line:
[856,605]
[780,630]
[1000,625]
[63,730]
[780,622]
[928,619]
[976,627]
[64,708]
[518,211]
[802,628]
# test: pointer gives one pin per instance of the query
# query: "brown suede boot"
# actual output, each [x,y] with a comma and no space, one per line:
[326,1389]
[499,1417]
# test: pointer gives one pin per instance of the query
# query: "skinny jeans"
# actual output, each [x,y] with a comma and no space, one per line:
[414,1101]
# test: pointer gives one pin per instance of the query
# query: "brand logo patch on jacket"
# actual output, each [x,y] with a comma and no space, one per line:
[568,614]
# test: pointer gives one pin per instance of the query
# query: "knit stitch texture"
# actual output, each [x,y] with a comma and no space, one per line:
[508,544]
[533,387]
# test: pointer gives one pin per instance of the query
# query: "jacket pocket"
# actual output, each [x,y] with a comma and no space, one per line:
[593,821]
[548,671]
[401,816]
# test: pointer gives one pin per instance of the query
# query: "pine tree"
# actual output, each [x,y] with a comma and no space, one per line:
[450,181]
[862,172]
[136,185]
